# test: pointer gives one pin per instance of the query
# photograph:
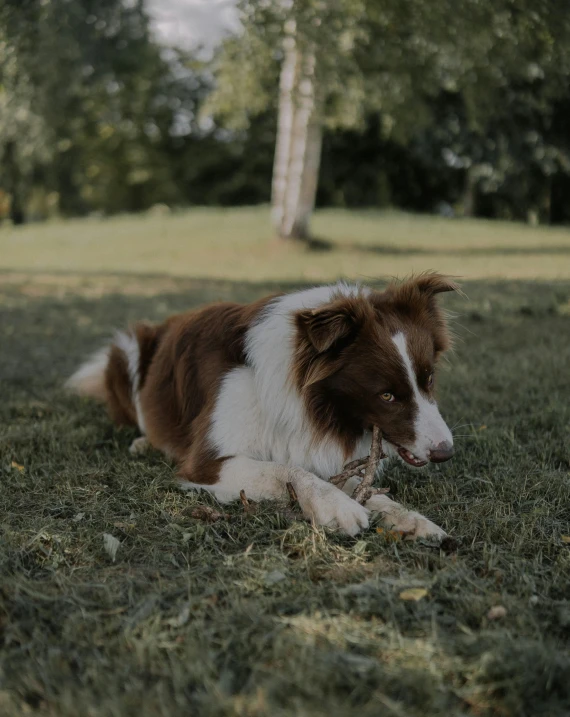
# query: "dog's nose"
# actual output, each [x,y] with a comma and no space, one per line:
[442,452]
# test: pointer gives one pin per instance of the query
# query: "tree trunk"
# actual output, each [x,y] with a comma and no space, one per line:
[285,120]
[546,201]
[309,183]
[14,184]
[470,193]
[299,139]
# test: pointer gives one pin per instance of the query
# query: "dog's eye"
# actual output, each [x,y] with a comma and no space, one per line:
[430,380]
[388,397]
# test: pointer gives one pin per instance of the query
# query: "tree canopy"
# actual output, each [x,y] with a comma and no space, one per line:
[463,102]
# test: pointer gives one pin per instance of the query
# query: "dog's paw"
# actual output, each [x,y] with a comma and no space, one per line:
[329,506]
[412,525]
[418,526]
[139,446]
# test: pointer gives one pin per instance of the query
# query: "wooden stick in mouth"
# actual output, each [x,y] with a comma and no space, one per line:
[365,467]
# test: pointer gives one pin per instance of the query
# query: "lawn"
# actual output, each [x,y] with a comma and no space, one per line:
[260,613]
[235,244]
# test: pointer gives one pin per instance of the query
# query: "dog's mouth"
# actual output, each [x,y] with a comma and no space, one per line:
[406,455]
[409,457]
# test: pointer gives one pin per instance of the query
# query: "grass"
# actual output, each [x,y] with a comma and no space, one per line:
[261,614]
[234,244]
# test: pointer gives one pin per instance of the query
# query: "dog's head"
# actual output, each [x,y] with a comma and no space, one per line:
[370,359]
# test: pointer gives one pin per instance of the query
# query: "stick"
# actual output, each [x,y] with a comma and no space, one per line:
[363,491]
[377,491]
[292,493]
[369,464]
[204,512]
[244,501]
[354,468]
[358,463]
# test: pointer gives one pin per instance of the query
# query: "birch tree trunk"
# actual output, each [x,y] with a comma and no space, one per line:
[285,121]
[299,140]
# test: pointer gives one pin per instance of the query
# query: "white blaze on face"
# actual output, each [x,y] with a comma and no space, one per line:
[430,428]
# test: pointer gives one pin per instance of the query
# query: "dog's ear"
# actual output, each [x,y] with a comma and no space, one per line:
[331,324]
[431,283]
[417,291]
[423,286]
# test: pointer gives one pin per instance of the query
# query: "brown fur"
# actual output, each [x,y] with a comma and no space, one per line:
[181,364]
[118,389]
[148,337]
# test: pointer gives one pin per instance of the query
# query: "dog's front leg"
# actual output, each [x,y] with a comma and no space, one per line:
[320,501]
[395,516]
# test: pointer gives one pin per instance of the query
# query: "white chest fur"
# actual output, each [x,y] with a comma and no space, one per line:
[242,424]
[259,412]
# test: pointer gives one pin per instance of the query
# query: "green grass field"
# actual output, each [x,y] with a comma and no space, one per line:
[234,244]
[259,613]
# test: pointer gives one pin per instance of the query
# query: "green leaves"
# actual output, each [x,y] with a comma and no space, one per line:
[88,104]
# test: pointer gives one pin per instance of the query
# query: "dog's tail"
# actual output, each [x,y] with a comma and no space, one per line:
[115,374]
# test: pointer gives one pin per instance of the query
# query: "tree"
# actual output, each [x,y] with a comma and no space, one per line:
[24,139]
[90,106]
[315,41]
[340,61]
[403,101]
[299,138]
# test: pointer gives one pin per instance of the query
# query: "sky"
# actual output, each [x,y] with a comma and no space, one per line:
[190,23]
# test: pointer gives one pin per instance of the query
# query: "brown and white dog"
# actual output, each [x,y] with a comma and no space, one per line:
[286,390]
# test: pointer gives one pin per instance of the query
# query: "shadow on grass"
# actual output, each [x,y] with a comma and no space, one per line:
[393,250]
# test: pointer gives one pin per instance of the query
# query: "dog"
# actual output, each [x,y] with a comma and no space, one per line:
[286,390]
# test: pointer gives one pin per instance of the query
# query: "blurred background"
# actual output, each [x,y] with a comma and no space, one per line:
[392,118]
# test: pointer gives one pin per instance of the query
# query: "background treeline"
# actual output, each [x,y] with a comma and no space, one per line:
[428,106]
